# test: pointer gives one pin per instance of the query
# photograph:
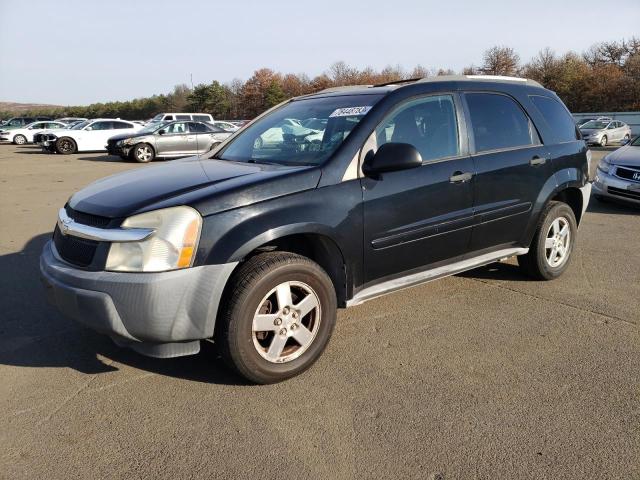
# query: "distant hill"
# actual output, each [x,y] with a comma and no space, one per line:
[24,107]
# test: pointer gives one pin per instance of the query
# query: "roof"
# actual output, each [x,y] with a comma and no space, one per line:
[387,87]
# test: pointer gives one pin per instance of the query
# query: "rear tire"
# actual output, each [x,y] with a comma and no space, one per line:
[278,314]
[553,243]
[143,153]
[66,146]
[603,141]
[19,140]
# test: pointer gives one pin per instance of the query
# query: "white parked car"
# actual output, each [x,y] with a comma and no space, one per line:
[171,116]
[275,136]
[20,136]
[89,136]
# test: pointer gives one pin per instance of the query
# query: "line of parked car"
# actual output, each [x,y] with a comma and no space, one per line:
[167,135]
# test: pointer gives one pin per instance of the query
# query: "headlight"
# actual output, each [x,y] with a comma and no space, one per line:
[605,165]
[127,141]
[172,246]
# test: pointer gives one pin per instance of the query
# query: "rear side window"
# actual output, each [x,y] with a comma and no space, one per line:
[197,127]
[119,125]
[498,122]
[183,117]
[101,126]
[202,118]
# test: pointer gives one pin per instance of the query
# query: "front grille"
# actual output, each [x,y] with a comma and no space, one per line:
[628,174]
[87,218]
[621,192]
[73,249]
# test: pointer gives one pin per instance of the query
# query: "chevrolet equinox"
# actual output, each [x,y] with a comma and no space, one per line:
[256,244]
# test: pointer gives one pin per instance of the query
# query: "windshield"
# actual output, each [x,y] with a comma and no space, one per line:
[282,138]
[81,125]
[152,127]
[599,124]
[158,117]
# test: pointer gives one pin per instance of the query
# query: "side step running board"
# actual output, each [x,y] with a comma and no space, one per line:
[390,286]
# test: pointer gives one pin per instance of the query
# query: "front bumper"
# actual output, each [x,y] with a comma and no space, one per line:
[615,188]
[162,314]
[121,151]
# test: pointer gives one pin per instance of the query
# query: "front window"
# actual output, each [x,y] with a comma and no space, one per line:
[281,137]
[81,125]
[153,127]
[595,124]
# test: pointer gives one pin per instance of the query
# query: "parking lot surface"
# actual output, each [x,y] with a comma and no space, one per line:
[482,375]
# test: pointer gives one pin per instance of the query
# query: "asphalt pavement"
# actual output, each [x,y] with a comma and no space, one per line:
[481,375]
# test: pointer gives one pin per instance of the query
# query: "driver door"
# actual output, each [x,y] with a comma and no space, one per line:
[173,142]
[421,216]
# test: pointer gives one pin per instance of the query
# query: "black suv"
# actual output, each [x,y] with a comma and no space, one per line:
[257,243]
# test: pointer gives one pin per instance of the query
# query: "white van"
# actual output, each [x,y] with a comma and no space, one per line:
[196,117]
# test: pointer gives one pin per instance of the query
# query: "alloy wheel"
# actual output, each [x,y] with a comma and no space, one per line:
[558,242]
[144,153]
[286,322]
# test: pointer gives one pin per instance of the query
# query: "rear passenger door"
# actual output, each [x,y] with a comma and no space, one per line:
[418,217]
[511,167]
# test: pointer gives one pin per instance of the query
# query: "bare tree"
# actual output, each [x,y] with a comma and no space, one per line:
[500,61]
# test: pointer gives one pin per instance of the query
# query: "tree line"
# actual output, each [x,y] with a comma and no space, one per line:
[606,77]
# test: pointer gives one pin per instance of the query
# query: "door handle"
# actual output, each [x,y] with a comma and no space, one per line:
[535,161]
[191,138]
[460,177]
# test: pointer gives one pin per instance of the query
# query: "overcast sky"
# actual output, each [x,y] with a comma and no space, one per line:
[70,52]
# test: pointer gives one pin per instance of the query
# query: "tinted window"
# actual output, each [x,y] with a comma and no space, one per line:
[202,118]
[498,122]
[183,117]
[119,125]
[429,124]
[197,127]
[556,117]
[101,126]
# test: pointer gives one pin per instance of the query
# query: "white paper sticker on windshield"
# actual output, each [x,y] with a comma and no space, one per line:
[350,111]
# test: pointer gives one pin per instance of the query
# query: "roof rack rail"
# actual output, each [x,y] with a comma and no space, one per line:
[341,88]
[489,78]
[397,82]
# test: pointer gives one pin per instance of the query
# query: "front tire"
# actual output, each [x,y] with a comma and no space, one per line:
[553,243]
[278,315]
[66,146]
[143,153]
[19,140]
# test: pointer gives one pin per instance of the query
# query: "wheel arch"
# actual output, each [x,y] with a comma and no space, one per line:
[313,241]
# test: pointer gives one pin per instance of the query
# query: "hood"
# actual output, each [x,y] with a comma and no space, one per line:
[589,131]
[210,186]
[123,136]
[627,155]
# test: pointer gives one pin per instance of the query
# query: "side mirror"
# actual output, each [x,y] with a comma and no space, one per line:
[391,157]
[161,132]
[88,129]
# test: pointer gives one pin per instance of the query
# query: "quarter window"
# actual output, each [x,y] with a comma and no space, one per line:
[429,124]
[557,117]
[498,122]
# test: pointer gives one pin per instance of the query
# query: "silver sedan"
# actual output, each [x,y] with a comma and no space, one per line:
[604,132]
[167,140]
[618,175]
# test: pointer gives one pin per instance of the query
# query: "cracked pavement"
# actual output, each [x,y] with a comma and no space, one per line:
[482,375]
